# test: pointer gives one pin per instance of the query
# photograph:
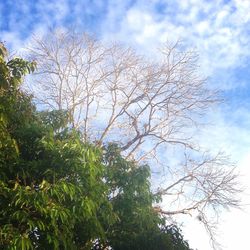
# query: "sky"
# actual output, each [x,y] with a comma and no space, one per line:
[218,30]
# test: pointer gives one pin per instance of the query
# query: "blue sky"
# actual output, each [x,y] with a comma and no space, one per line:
[218,30]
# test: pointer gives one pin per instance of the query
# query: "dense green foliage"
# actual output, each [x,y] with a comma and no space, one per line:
[139,226]
[50,183]
[57,192]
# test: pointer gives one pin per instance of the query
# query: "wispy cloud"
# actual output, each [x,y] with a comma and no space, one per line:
[219,30]
[24,18]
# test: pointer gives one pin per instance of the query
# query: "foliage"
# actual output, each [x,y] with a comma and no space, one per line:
[50,183]
[138,225]
[58,192]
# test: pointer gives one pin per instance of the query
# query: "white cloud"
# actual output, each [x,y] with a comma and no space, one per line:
[235,226]
[216,29]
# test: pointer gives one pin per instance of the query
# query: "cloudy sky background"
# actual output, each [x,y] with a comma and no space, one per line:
[218,30]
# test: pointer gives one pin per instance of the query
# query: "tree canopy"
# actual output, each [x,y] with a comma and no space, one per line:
[150,107]
[59,191]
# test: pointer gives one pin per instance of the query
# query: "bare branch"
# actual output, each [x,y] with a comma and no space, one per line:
[148,107]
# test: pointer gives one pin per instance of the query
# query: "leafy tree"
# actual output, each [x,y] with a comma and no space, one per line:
[50,182]
[59,192]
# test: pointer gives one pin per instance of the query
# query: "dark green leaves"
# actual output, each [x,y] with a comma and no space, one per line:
[56,118]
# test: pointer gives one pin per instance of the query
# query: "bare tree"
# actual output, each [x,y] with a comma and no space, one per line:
[147,106]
